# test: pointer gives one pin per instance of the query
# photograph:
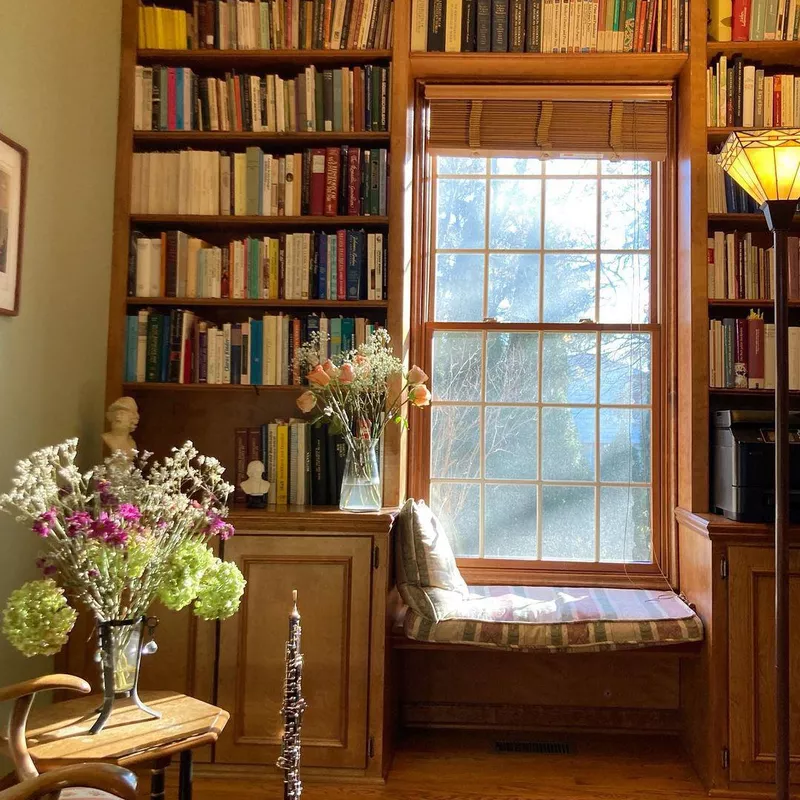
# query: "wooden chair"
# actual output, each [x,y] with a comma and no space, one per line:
[97,781]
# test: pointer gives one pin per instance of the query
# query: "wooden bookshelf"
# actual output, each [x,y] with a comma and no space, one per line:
[246,138]
[208,387]
[768,53]
[225,302]
[260,59]
[197,221]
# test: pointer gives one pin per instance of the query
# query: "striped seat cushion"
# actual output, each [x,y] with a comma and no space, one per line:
[86,794]
[559,619]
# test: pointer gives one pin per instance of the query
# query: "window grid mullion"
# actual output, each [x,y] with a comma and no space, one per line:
[539,377]
[482,414]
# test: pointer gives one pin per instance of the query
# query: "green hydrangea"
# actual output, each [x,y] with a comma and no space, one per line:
[37,619]
[220,592]
[184,574]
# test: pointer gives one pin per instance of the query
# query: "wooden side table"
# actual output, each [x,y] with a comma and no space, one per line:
[58,735]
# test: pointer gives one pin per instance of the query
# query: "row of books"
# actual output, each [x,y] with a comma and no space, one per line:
[741,94]
[738,269]
[269,25]
[742,354]
[333,181]
[725,196]
[180,347]
[178,99]
[303,463]
[753,20]
[343,265]
[549,26]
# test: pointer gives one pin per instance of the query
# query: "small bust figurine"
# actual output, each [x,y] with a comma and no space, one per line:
[123,417]
[255,487]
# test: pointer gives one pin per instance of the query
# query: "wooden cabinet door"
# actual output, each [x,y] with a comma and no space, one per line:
[333,576]
[751,611]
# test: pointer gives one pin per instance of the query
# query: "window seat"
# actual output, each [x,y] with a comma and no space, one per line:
[560,620]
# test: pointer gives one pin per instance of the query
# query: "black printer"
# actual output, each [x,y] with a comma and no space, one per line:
[743,465]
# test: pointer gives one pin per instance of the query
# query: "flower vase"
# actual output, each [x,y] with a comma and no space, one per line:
[122,645]
[361,482]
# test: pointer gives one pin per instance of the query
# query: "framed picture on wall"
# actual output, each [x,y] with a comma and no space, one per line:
[13,169]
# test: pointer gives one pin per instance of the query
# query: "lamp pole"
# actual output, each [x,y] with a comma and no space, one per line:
[779,215]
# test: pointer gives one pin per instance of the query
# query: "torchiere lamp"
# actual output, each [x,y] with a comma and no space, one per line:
[766,164]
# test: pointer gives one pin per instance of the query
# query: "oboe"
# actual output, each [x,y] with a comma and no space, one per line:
[292,709]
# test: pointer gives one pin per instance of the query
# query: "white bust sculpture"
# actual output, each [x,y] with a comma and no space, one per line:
[255,485]
[123,417]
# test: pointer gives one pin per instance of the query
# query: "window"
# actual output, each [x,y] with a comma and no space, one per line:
[542,341]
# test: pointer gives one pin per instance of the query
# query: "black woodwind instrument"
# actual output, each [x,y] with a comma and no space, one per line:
[292,709]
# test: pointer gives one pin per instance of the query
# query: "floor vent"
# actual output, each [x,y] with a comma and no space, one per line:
[521,746]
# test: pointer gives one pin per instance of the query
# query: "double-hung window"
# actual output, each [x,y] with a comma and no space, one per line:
[542,333]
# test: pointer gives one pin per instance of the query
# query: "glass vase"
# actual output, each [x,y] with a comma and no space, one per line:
[361,482]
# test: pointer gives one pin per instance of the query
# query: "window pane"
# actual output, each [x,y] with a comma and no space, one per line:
[515,209]
[569,367]
[568,441]
[625,209]
[570,214]
[514,287]
[571,166]
[456,365]
[511,367]
[625,528]
[624,288]
[510,442]
[625,368]
[569,287]
[625,445]
[510,521]
[460,213]
[568,523]
[626,167]
[516,166]
[455,165]
[459,287]
[457,505]
[455,441]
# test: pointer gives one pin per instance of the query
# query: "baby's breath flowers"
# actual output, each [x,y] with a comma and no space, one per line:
[117,537]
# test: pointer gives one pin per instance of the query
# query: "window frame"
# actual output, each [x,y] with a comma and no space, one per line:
[660,571]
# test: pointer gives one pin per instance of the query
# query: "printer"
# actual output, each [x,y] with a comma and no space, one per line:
[743,465]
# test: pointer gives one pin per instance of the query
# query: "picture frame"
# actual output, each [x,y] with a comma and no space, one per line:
[13,180]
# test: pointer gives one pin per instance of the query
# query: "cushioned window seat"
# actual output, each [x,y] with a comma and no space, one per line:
[557,620]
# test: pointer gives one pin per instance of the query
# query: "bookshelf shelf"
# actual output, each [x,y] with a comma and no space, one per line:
[716,136]
[241,59]
[749,392]
[768,53]
[228,138]
[749,221]
[714,303]
[197,221]
[214,302]
[207,387]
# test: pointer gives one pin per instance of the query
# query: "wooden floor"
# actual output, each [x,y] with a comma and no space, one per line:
[453,765]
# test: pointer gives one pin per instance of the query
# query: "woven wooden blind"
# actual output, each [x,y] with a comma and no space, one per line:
[604,128]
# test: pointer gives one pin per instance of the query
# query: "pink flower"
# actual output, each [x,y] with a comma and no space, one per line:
[346,373]
[129,512]
[306,402]
[420,396]
[416,375]
[318,376]
[78,522]
[330,368]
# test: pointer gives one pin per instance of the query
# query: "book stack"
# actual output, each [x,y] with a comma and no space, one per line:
[332,181]
[753,20]
[303,463]
[178,99]
[549,26]
[180,347]
[741,94]
[269,25]
[741,270]
[343,265]
[742,354]
[725,196]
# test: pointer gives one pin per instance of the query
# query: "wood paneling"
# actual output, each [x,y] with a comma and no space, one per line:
[333,578]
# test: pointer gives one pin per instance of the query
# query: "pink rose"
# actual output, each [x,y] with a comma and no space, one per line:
[416,375]
[330,368]
[318,376]
[306,402]
[346,373]
[420,396]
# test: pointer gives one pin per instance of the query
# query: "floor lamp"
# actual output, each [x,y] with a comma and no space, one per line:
[766,164]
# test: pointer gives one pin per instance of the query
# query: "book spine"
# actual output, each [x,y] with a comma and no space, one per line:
[240,470]
[332,159]
[436,26]
[484,26]
[740,354]
[755,353]
[468,28]
[499,26]
[516,19]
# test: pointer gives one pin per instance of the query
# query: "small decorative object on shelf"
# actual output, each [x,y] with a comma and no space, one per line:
[123,417]
[115,539]
[255,487]
[351,392]
[292,710]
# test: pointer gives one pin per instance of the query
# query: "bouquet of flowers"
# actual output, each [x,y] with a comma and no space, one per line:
[116,538]
[359,393]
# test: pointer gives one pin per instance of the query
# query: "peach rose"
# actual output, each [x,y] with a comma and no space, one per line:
[346,373]
[306,402]
[416,375]
[330,368]
[318,376]
[420,396]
